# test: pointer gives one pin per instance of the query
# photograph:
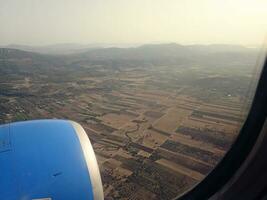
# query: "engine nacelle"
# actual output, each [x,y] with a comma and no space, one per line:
[47,160]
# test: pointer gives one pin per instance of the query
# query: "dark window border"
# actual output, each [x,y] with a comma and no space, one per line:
[240,149]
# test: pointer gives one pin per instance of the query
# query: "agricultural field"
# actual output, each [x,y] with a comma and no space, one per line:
[156,129]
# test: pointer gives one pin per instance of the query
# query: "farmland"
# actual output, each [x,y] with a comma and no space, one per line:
[157,130]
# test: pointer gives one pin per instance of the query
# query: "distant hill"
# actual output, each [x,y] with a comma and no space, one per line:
[219,48]
[69,48]
[63,49]
[8,53]
[171,54]
[57,49]
[168,54]
[13,61]
[170,50]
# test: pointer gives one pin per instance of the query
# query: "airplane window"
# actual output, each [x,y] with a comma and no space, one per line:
[162,88]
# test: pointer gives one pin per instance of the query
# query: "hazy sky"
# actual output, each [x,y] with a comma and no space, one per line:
[42,22]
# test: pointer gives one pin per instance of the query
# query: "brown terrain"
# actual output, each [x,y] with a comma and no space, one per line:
[154,137]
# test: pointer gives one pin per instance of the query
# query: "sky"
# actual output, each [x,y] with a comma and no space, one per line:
[44,22]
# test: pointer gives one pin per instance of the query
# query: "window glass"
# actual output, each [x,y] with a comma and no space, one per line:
[162,88]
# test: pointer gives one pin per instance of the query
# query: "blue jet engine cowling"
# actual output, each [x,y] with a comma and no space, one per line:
[47,160]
